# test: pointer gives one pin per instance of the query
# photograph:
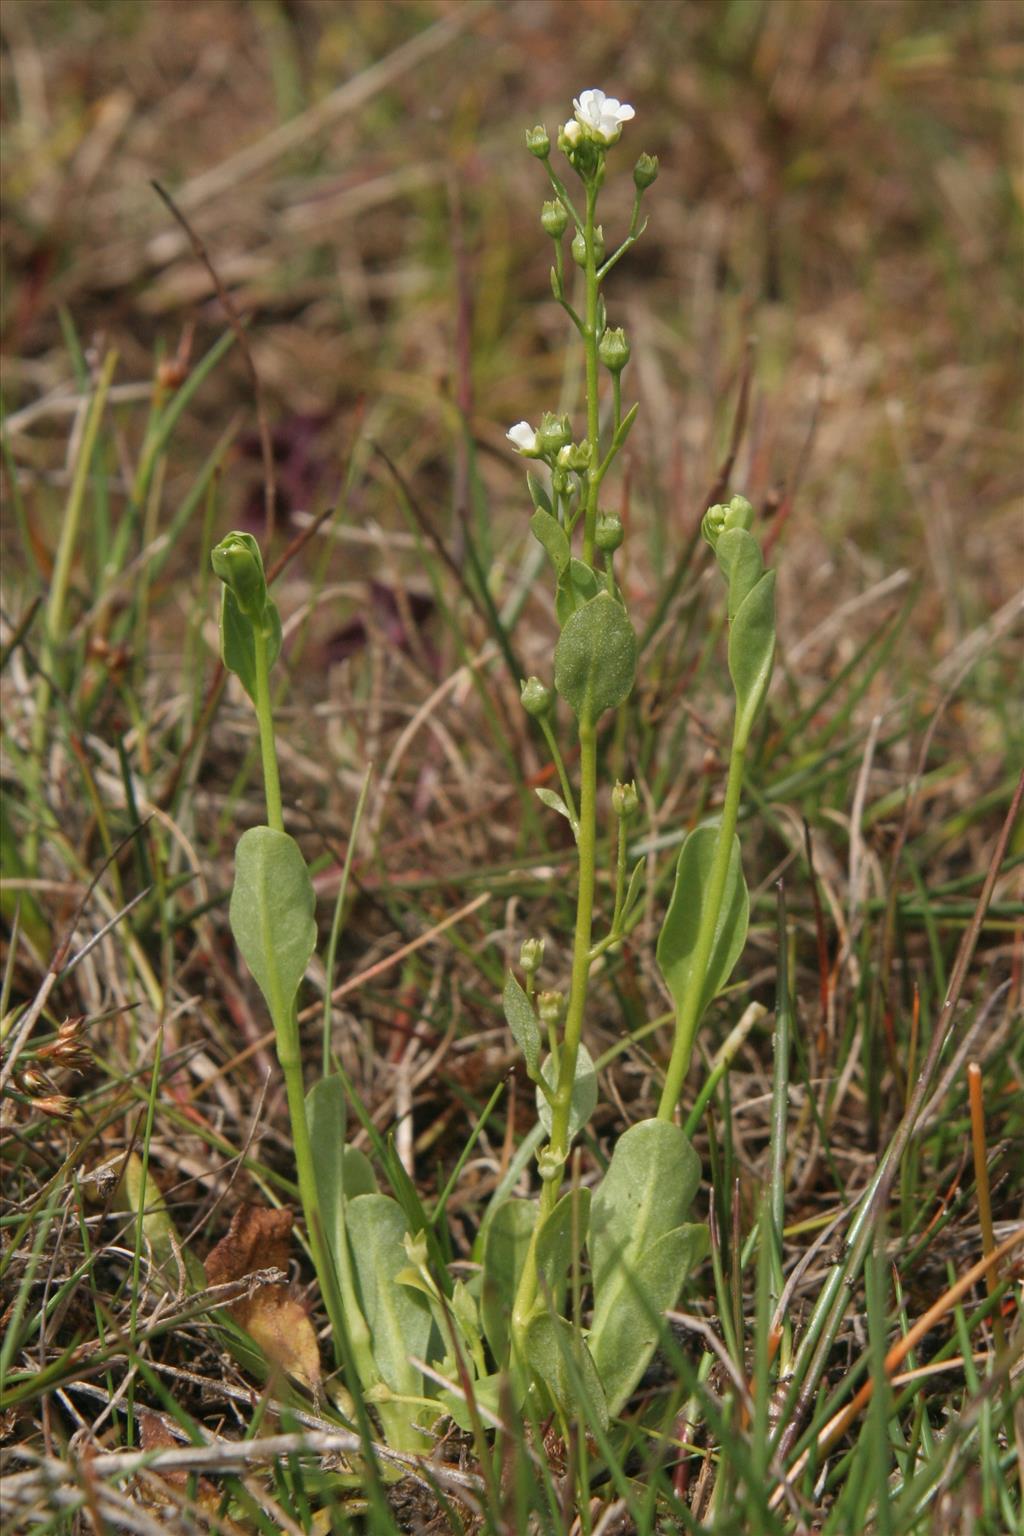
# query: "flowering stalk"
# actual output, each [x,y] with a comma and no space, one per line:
[596,656]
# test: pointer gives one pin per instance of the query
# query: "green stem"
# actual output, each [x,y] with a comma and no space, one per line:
[563,777]
[265,717]
[689,1014]
[573,1033]
[590,343]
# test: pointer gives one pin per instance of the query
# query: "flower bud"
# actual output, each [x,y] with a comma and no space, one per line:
[712,524]
[535,698]
[608,533]
[645,172]
[613,350]
[579,247]
[531,955]
[238,563]
[538,142]
[574,456]
[739,513]
[549,1165]
[624,799]
[549,1007]
[554,218]
[553,433]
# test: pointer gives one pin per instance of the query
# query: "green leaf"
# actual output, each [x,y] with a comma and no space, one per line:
[584,1092]
[752,651]
[678,938]
[560,1238]
[637,1271]
[550,533]
[487,1394]
[272,906]
[538,495]
[237,642]
[554,802]
[562,1363]
[399,1318]
[340,1172]
[625,427]
[633,888]
[508,1238]
[739,555]
[522,1021]
[595,658]
[576,586]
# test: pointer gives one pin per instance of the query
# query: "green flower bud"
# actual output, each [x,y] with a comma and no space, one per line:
[531,955]
[535,698]
[645,172]
[712,524]
[553,433]
[613,350]
[624,800]
[739,514]
[549,1165]
[549,1007]
[554,217]
[239,564]
[608,533]
[538,142]
[579,247]
[574,456]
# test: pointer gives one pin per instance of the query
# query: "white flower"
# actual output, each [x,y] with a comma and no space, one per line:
[602,116]
[523,438]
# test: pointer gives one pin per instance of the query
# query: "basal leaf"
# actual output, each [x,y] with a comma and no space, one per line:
[508,1238]
[678,938]
[561,1361]
[559,1239]
[644,1196]
[399,1317]
[627,1332]
[272,906]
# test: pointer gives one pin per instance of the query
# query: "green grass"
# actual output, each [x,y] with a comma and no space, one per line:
[834,182]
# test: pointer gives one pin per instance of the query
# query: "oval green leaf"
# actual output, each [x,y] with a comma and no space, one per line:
[678,938]
[272,905]
[584,1092]
[595,658]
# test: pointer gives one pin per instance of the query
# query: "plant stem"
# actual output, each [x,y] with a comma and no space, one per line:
[689,1014]
[265,716]
[590,342]
[562,1101]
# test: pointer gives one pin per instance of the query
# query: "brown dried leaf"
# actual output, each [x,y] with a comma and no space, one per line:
[278,1322]
[156,1436]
